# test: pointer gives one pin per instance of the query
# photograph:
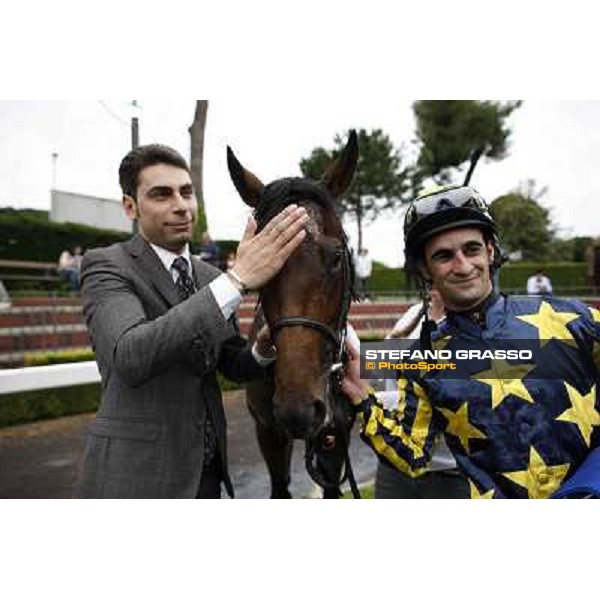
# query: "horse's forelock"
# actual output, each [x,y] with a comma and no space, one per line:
[290,190]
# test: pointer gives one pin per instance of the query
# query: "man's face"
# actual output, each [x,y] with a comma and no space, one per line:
[458,263]
[166,206]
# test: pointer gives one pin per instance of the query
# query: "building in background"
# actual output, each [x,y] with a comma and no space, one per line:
[103,213]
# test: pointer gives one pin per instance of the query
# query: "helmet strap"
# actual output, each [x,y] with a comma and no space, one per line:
[429,325]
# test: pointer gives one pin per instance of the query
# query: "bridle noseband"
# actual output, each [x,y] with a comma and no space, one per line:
[327,331]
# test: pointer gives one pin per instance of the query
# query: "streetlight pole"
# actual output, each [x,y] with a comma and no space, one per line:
[135,126]
[135,142]
[54,161]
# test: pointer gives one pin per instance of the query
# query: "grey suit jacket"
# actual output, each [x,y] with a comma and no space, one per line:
[158,359]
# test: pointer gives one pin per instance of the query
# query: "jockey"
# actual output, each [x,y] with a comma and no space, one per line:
[517,428]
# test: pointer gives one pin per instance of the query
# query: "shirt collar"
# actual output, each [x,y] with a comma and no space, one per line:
[486,315]
[167,257]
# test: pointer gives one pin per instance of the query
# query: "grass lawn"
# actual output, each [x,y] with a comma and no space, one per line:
[367,492]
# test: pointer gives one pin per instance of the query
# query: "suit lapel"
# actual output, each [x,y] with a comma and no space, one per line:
[152,269]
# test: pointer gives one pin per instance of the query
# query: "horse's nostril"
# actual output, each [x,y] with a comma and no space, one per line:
[329,442]
[297,420]
[302,420]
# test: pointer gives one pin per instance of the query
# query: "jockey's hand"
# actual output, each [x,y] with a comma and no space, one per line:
[353,386]
[264,345]
[260,256]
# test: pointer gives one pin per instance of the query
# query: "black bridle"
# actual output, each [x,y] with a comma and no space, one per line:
[274,198]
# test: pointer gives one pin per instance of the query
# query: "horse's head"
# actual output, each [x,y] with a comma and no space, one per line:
[307,303]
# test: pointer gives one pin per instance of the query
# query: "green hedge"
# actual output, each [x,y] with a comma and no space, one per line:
[29,235]
[58,357]
[26,407]
[563,275]
[513,276]
[384,279]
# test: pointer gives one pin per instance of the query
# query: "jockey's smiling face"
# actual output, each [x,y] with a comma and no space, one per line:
[458,264]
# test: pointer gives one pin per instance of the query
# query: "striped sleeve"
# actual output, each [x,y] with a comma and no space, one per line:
[404,437]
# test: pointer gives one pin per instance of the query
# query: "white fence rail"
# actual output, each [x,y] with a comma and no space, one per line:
[52,376]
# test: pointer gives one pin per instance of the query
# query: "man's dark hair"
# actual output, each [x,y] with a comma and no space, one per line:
[146,156]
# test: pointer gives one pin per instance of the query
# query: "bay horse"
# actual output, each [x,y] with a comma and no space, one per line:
[306,306]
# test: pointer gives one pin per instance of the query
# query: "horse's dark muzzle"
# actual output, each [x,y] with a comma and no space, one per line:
[302,420]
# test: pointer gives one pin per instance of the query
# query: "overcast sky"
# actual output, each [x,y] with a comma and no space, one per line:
[557,143]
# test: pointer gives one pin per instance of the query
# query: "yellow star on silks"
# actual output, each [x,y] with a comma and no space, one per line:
[551,324]
[477,495]
[505,379]
[582,412]
[458,425]
[595,314]
[539,479]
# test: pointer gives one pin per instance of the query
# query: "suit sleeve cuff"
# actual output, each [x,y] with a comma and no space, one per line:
[226,295]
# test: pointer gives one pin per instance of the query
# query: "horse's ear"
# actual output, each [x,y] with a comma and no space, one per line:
[338,177]
[247,184]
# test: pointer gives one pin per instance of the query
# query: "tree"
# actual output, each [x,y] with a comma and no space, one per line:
[571,249]
[523,224]
[196,131]
[449,131]
[580,245]
[380,182]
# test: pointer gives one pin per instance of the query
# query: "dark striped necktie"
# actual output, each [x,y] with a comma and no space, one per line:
[185,287]
[185,284]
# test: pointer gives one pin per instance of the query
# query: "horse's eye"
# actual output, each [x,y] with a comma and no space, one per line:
[337,258]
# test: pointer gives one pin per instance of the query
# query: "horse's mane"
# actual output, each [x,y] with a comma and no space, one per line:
[289,190]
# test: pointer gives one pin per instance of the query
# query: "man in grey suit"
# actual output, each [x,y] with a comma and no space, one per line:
[162,323]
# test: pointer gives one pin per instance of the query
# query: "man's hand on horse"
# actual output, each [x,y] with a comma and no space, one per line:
[352,385]
[260,256]
[264,344]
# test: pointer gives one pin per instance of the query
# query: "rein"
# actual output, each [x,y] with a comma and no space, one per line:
[275,197]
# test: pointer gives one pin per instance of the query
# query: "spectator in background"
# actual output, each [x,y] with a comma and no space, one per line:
[230,260]
[208,250]
[364,268]
[592,260]
[77,258]
[5,302]
[68,267]
[539,284]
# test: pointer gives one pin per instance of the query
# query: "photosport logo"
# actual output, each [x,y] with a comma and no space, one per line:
[459,359]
